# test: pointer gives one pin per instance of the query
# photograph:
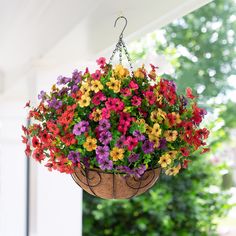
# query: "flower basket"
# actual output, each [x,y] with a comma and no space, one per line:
[114,129]
[114,186]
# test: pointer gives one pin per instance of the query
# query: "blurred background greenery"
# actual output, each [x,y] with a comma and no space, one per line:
[201,48]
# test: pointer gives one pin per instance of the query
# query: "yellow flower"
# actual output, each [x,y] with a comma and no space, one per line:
[54,88]
[90,144]
[157,115]
[140,121]
[97,115]
[85,88]
[172,154]
[173,170]
[156,130]
[84,100]
[114,85]
[155,140]
[96,86]
[165,160]
[117,153]
[121,71]
[148,129]
[170,135]
[139,73]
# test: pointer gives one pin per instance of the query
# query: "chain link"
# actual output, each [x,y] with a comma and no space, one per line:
[119,46]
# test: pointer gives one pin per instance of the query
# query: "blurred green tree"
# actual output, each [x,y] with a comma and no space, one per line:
[189,203]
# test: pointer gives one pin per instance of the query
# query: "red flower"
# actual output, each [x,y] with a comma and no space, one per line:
[150,97]
[185,164]
[24,139]
[66,118]
[35,142]
[131,143]
[204,150]
[45,137]
[96,75]
[115,104]
[188,126]
[53,128]
[38,155]
[185,152]
[69,139]
[189,93]
[203,133]
[28,150]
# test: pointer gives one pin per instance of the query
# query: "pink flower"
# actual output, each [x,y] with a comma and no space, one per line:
[101,62]
[125,92]
[98,97]
[131,143]
[105,113]
[136,101]
[96,75]
[133,85]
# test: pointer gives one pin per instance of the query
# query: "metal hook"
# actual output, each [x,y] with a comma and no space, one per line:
[126,21]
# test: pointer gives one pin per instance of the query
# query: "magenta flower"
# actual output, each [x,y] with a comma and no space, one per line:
[101,62]
[121,142]
[136,101]
[96,75]
[131,143]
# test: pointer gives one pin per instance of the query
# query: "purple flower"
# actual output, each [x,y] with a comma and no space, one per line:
[184,100]
[162,143]
[133,157]
[148,147]
[62,80]
[106,164]
[54,103]
[102,152]
[74,88]
[76,76]
[63,91]
[74,156]
[105,137]
[85,161]
[104,124]
[41,95]
[81,127]
[139,135]
[140,170]
[120,142]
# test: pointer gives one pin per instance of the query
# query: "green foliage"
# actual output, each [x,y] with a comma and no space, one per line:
[187,204]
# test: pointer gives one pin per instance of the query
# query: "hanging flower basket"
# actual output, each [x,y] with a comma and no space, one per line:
[114,129]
